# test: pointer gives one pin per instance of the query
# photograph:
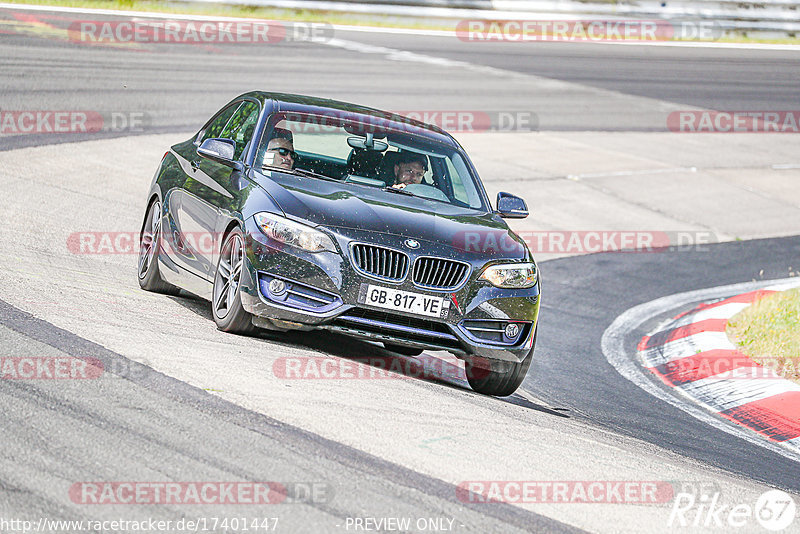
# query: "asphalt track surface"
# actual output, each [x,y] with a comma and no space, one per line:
[584,290]
[144,415]
[150,426]
[177,86]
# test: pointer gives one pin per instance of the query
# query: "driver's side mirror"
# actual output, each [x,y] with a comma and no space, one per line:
[219,150]
[511,207]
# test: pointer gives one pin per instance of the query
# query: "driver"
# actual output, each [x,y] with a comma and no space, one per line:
[409,169]
[280,150]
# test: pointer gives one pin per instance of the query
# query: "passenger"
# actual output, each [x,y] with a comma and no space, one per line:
[280,150]
[409,169]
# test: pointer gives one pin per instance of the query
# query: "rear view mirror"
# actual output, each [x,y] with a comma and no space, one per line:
[368,143]
[511,207]
[219,150]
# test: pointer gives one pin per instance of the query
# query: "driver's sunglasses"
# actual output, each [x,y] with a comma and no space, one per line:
[411,172]
[285,152]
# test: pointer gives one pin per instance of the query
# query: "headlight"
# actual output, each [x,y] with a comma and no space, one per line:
[511,275]
[293,234]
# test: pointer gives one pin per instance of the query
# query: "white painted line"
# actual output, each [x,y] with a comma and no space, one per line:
[747,373]
[787,285]
[394,54]
[629,173]
[723,394]
[794,442]
[685,347]
[450,34]
[786,166]
[397,31]
[619,355]
[723,311]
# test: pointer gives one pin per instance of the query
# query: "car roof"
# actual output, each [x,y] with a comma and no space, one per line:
[316,105]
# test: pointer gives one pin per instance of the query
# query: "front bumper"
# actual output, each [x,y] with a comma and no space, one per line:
[322,290]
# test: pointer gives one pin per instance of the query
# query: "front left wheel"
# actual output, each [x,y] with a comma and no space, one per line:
[226,303]
[500,383]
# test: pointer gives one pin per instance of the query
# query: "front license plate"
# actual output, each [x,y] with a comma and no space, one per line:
[404,301]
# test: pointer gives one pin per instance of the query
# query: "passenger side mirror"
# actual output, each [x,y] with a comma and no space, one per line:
[219,150]
[511,207]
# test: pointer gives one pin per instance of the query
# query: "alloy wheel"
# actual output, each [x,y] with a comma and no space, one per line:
[229,272]
[149,239]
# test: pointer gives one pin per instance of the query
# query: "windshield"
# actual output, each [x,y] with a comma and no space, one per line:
[385,156]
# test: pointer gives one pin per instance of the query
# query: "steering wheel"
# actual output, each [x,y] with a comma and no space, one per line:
[426,191]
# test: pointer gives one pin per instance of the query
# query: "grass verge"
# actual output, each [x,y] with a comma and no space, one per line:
[769,332]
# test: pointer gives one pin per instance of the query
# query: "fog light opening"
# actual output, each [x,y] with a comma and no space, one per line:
[512,330]
[277,287]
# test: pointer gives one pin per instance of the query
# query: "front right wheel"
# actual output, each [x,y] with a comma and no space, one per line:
[226,303]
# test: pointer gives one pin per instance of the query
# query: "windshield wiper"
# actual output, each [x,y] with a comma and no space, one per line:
[399,191]
[306,172]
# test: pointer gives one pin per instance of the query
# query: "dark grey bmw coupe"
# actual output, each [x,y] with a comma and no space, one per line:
[292,212]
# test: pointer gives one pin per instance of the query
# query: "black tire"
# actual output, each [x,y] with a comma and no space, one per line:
[226,302]
[149,245]
[499,383]
[400,349]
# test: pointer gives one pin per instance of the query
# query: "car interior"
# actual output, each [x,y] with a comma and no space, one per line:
[370,160]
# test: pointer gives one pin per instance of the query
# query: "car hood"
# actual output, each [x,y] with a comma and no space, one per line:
[352,209]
